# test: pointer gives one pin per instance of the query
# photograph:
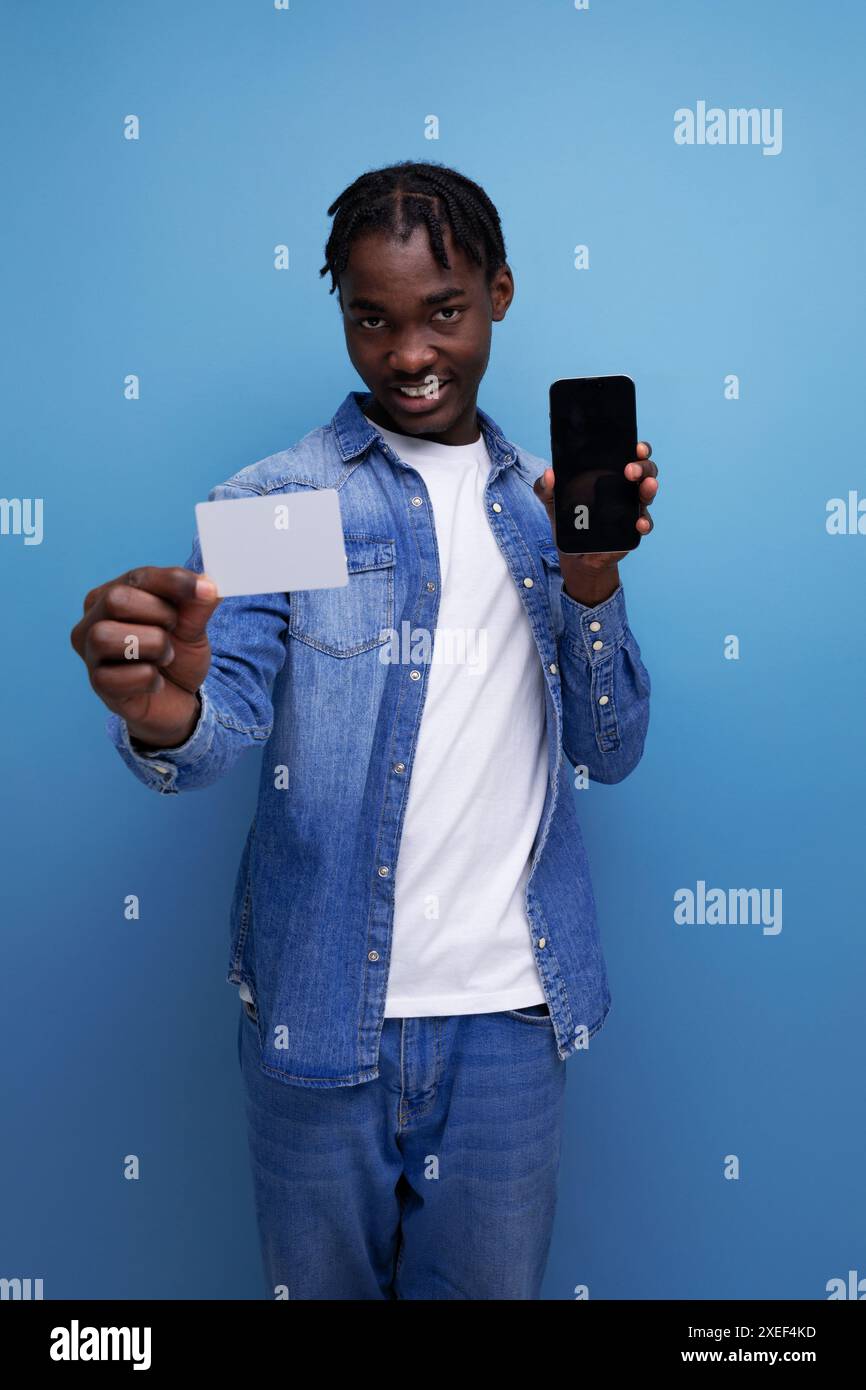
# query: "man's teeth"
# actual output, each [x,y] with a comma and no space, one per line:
[419,390]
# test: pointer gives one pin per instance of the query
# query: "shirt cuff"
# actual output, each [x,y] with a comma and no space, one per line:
[594,633]
[160,766]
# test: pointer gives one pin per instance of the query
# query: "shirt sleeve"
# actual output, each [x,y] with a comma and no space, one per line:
[247,638]
[605,688]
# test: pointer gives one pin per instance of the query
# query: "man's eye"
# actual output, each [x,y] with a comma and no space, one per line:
[450,309]
[362,322]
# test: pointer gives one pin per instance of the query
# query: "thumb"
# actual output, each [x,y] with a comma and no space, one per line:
[194,614]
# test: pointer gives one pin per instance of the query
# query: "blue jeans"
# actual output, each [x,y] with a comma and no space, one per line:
[436,1180]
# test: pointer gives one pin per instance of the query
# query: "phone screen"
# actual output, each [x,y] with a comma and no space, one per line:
[593,435]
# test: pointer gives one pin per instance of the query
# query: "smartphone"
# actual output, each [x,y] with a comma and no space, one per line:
[593,435]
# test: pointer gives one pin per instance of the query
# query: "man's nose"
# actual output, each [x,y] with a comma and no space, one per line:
[412,357]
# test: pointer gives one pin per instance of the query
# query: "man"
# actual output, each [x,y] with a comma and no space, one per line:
[413,926]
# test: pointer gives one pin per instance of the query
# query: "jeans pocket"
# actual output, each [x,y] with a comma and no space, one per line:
[535,1013]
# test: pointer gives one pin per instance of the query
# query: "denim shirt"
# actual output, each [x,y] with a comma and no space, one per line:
[300,676]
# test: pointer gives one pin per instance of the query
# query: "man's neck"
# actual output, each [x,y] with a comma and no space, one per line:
[464,430]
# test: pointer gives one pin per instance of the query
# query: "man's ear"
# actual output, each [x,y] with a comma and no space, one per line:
[502,291]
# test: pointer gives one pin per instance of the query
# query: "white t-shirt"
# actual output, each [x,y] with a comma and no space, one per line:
[461,936]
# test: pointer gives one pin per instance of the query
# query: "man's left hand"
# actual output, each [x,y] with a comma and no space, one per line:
[590,579]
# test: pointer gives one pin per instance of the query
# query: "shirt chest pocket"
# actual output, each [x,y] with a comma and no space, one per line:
[356,617]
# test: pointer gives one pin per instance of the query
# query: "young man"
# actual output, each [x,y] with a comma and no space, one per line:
[413,927]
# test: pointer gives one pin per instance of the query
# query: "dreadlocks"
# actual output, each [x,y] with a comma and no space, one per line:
[404,196]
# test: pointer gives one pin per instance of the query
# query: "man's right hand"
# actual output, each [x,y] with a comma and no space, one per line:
[167,612]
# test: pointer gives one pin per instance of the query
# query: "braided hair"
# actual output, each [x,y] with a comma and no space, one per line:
[403,196]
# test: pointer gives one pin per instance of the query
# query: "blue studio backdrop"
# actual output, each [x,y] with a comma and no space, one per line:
[715,1141]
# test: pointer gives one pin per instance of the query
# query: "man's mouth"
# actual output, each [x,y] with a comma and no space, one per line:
[418,396]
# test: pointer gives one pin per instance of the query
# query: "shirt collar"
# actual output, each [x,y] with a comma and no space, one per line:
[355,434]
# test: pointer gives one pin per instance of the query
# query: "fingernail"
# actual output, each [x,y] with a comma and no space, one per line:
[205,588]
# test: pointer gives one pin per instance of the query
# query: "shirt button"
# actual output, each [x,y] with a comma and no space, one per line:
[399,767]
[597,646]
[542,941]
[430,586]
[384,871]
[417,502]
[602,700]
[527,583]
[497,507]
[552,668]
[595,627]
[160,767]
[372,955]
[414,675]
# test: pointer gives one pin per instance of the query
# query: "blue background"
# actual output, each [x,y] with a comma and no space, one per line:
[156,257]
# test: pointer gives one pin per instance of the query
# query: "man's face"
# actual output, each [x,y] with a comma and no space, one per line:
[407,319]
